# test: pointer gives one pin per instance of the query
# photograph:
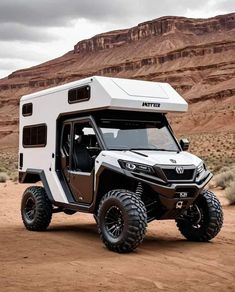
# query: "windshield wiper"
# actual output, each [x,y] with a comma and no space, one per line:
[123,148]
[134,151]
[162,149]
[151,149]
[154,149]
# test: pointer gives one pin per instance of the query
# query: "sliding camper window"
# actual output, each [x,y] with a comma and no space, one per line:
[79,94]
[27,109]
[35,136]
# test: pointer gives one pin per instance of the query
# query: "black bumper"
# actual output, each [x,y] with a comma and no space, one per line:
[169,195]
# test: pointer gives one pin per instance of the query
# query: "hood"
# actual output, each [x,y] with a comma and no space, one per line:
[150,157]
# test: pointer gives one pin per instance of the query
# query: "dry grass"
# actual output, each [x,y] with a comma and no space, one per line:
[224,179]
[230,193]
[3,177]
[8,163]
[14,176]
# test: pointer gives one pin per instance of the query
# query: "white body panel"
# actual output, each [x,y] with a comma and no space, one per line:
[153,157]
[109,93]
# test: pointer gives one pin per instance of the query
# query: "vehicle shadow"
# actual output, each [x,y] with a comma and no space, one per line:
[169,242]
[89,231]
[84,229]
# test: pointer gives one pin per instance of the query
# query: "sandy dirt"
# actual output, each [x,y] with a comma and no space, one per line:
[70,256]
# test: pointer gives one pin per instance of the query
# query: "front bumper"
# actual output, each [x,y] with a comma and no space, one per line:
[169,195]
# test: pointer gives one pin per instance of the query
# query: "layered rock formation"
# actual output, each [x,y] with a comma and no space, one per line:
[159,27]
[197,56]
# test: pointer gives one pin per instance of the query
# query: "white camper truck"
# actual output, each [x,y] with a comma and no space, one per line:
[104,146]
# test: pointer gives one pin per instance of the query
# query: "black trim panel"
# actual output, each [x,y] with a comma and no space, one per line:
[39,175]
[35,175]
[21,160]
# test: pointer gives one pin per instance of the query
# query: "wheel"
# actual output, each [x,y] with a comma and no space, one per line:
[203,220]
[122,220]
[36,209]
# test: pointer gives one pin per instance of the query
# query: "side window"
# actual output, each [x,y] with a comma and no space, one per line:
[79,94]
[85,147]
[35,136]
[27,109]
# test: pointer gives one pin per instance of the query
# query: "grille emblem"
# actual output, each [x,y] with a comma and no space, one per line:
[179,170]
[172,160]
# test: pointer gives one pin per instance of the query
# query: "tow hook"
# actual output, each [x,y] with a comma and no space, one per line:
[179,205]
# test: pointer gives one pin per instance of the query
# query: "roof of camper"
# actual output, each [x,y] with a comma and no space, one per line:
[118,93]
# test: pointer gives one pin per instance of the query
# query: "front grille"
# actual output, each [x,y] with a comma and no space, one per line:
[172,175]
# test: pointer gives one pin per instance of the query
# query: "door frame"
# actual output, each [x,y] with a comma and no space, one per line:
[101,143]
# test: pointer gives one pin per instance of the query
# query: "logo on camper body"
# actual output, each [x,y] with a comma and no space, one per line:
[179,170]
[151,104]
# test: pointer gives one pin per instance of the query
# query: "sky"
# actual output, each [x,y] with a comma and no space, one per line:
[33,31]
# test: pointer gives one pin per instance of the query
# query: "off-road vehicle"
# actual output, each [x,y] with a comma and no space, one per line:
[104,146]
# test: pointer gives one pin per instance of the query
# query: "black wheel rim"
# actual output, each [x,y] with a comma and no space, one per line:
[114,222]
[30,209]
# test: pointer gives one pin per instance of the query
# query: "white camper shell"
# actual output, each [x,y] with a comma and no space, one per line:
[113,93]
[101,139]
[105,93]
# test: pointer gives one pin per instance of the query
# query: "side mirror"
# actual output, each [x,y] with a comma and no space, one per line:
[184,143]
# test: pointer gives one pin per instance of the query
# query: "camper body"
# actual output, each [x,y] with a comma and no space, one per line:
[104,146]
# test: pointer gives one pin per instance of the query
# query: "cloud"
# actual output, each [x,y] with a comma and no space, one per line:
[225,5]
[62,12]
[7,64]
[18,50]
[57,12]
[16,32]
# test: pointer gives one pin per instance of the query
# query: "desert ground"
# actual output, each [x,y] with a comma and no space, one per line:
[71,257]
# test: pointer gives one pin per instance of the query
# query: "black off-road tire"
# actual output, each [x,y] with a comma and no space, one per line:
[36,209]
[132,221]
[212,219]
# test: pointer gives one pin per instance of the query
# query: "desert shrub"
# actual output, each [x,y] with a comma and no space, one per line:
[224,169]
[216,168]
[14,176]
[230,193]
[3,169]
[3,177]
[224,179]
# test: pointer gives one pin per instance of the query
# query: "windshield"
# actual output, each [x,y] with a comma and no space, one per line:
[137,135]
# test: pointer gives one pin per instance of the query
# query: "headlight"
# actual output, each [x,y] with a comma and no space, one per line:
[201,167]
[136,167]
